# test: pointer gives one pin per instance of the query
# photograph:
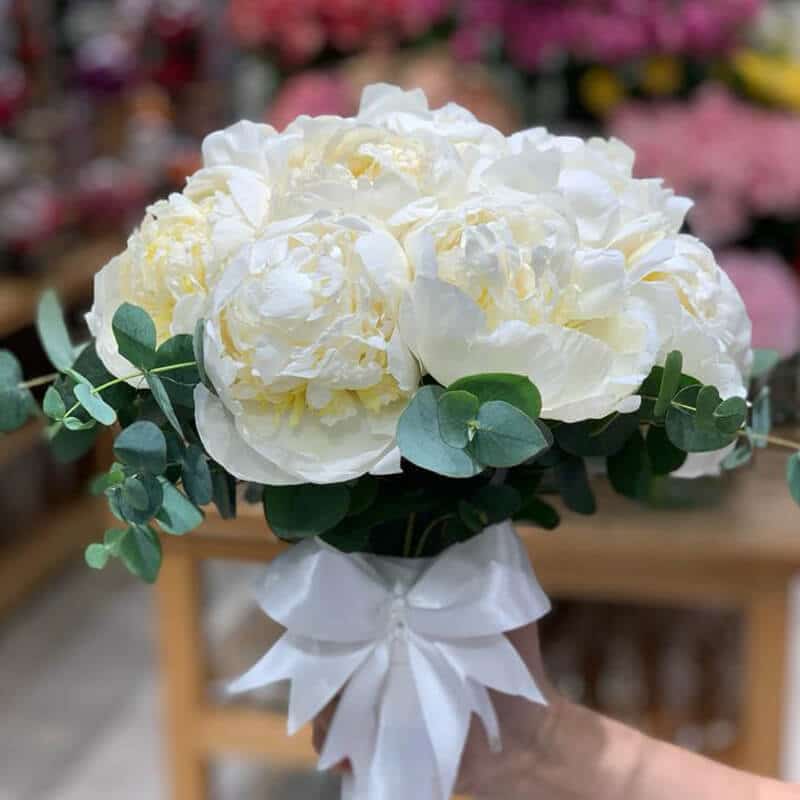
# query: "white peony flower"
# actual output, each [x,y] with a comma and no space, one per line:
[303,349]
[175,256]
[507,287]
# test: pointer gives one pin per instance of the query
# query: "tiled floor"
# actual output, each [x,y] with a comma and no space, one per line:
[79,700]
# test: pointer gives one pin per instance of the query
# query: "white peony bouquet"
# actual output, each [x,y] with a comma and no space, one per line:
[403,330]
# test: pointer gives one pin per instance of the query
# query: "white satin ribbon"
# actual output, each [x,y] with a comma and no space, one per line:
[413,645]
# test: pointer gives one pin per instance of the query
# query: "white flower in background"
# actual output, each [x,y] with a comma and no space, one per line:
[508,288]
[181,247]
[303,349]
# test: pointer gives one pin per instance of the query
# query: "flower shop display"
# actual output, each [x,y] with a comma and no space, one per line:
[403,328]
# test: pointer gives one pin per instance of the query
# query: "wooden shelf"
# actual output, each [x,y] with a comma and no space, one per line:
[71,276]
[60,534]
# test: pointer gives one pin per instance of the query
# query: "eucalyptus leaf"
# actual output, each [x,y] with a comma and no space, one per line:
[420,440]
[497,503]
[670,383]
[142,447]
[682,428]
[178,515]
[53,404]
[15,409]
[740,455]
[139,498]
[97,556]
[457,410]
[540,513]
[707,402]
[473,517]
[10,370]
[135,333]
[196,475]
[140,551]
[53,332]
[224,492]
[730,415]
[198,347]
[68,446]
[597,437]
[793,476]
[164,403]
[179,383]
[104,481]
[506,436]
[517,390]
[573,484]
[75,424]
[629,470]
[298,512]
[664,456]
[363,493]
[94,405]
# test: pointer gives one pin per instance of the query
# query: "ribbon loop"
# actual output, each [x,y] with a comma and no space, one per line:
[411,645]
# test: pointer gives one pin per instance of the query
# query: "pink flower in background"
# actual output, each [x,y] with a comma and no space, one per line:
[299,30]
[312,92]
[771,292]
[607,31]
[737,161]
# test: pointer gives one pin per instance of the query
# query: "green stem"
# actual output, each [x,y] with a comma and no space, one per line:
[34,382]
[672,403]
[776,440]
[423,539]
[116,381]
[412,518]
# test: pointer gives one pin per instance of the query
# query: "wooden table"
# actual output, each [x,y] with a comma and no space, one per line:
[742,553]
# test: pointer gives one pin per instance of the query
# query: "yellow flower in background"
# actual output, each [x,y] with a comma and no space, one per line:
[770,78]
[662,75]
[601,90]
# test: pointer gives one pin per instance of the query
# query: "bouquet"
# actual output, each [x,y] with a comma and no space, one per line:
[403,330]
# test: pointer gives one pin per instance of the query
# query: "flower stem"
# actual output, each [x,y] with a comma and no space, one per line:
[423,539]
[770,439]
[41,381]
[412,518]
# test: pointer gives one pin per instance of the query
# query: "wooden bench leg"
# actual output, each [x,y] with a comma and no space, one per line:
[183,672]
[765,660]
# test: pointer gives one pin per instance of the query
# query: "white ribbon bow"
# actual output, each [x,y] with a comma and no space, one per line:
[411,644]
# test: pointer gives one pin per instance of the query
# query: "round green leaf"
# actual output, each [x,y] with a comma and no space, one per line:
[178,515]
[142,447]
[298,512]
[538,512]
[10,370]
[179,383]
[517,390]
[664,456]
[420,440]
[53,405]
[573,484]
[139,498]
[596,437]
[708,400]
[53,332]
[161,397]
[75,424]
[196,475]
[730,415]
[497,503]
[135,333]
[506,436]
[682,428]
[96,556]
[94,405]
[670,383]
[363,493]
[15,408]
[457,409]
[629,470]
[140,551]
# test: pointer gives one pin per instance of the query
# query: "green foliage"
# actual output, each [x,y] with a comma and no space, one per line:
[420,440]
[517,390]
[730,415]
[539,513]
[97,556]
[573,484]
[95,406]
[106,480]
[53,404]
[140,551]
[505,436]
[764,361]
[196,475]
[740,455]
[224,492]
[761,419]
[597,437]
[16,403]
[793,476]
[707,402]
[298,512]
[458,411]
[496,502]
[670,383]
[629,470]
[683,429]
[179,383]
[139,498]
[664,456]
[651,389]
[162,399]
[199,356]
[363,493]
[75,424]
[135,333]
[178,515]
[53,332]
[142,447]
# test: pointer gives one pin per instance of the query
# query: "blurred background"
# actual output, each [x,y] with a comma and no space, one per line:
[686,628]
